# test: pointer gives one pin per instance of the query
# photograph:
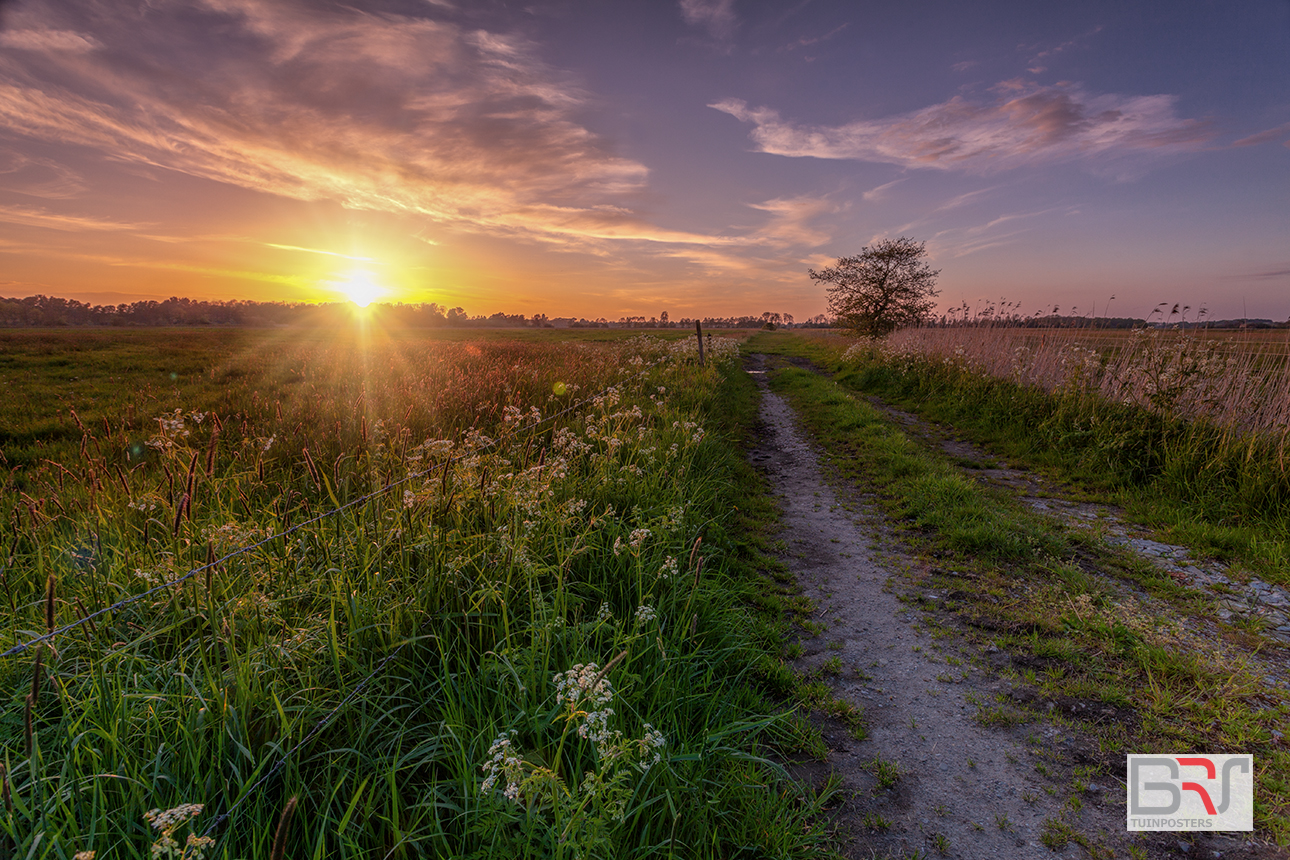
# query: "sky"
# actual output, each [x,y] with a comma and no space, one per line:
[626,158]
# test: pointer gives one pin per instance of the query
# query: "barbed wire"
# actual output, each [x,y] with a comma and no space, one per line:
[124,602]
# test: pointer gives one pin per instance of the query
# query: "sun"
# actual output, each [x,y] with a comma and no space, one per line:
[360,287]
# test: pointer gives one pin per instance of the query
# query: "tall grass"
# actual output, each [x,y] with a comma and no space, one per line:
[392,674]
[1178,416]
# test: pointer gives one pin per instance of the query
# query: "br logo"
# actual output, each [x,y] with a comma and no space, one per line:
[1178,792]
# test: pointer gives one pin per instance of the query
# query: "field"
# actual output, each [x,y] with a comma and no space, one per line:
[355,593]
[359,592]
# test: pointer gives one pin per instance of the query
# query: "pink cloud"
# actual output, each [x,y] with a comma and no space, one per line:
[1025,124]
[716,16]
[380,112]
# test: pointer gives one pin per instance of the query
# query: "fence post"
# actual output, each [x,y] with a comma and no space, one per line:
[698,332]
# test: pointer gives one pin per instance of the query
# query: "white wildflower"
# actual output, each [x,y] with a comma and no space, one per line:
[579,686]
[504,761]
[669,568]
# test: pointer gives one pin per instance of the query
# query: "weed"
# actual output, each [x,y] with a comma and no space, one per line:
[1055,834]
[888,773]
[874,821]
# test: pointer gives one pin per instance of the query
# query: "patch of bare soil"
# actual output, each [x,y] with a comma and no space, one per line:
[944,770]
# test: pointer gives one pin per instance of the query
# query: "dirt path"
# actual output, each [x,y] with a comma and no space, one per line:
[964,790]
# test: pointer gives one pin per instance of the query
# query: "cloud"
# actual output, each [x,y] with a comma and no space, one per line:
[1267,136]
[48,40]
[317,251]
[790,221]
[38,177]
[961,241]
[1025,124]
[807,41]
[964,66]
[28,217]
[715,16]
[1037,61]
[873,195]
[382,112]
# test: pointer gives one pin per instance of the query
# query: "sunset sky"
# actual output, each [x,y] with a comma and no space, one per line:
[635,156]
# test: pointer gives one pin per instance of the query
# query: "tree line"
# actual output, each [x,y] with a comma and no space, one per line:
[53,311]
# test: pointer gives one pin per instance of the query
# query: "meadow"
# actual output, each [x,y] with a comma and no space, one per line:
[367,593]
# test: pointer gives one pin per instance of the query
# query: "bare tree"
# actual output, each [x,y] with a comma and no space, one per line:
[884,287]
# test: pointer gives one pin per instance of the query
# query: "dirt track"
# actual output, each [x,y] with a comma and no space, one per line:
[965,790]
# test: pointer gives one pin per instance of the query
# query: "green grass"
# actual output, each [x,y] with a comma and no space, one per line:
[1221,491]
[503,568]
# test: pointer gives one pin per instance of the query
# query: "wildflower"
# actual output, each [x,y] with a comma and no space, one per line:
[583,684]
[167,823]
[603,614]
[645,614]
[638,537]
[409,498]
[505,761]
[650,744]
[669,568]
[84,855]
[618,546]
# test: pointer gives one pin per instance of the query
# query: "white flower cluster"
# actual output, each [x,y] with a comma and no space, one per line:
[645,614]
[638,537]
[170,429]
[651,745]
[579,685]
[167,823]
[603,614]
[669,568]
[504,761]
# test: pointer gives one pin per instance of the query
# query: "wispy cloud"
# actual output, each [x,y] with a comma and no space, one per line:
[790,222]
[715,16]
[807,41]
[998,231]
[317,251]
[1271,134]
[1025,124]
[381,112]
[48,40]
[39,177]
[873,195]
[29,217]
[1041,56]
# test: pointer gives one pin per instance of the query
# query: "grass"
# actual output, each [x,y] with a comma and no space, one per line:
[1015,582]
[1188,433]
[394,657]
